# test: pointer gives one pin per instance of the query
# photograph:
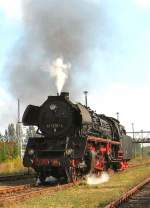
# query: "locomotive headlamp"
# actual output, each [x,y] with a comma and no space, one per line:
[30,151]
[52,107]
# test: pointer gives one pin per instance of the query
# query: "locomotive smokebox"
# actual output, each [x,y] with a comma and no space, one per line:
[65,95]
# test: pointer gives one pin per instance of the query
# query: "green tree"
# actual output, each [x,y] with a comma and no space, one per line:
[3,154]
[6,134]
[1,136]
[11,132]
[15,150]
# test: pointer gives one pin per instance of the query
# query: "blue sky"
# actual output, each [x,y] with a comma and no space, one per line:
[122,68]
[10,31]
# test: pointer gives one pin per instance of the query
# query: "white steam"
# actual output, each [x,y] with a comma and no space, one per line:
[93,179]
[60,72]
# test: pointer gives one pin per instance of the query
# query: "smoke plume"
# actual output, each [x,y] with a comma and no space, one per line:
[52,28]
[59,71]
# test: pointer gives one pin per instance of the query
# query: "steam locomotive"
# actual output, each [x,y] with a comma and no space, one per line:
[73,140]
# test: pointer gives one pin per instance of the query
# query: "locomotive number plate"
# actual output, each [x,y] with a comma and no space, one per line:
[54,125]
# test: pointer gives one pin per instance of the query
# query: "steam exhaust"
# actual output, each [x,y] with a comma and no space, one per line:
[59,71]
[93,179]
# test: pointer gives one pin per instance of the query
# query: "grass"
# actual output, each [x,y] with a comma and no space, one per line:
[84,196]
[12,166]
[139,160]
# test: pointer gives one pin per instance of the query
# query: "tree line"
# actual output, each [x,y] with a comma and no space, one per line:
[13,132]
[10,140]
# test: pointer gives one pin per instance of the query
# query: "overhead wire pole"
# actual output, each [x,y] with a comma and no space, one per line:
[142,143]
[18,111]
[20,135]
[117,116]
[19,131]
[85,93]
[133,139]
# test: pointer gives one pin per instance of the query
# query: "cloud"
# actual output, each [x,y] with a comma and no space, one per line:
[122,55]
[12,9]
[52,29]
[131,102]
[143,4]
[93,1]
[8,109]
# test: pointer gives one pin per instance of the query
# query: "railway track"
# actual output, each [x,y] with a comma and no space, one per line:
[28,176]
[22,192]
[15,177]
[138,165]
[137,197]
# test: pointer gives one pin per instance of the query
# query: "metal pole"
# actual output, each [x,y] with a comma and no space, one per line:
[133,139]
[117,116]
[85,93]
[19,131]
[142,143]
[133,129]
[18,111]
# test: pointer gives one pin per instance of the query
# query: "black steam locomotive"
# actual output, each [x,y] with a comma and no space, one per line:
[73,140]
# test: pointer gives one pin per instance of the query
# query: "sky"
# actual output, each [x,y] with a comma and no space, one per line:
[119,78]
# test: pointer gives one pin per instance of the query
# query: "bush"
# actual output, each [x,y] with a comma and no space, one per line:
[10,166]
[8,150]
